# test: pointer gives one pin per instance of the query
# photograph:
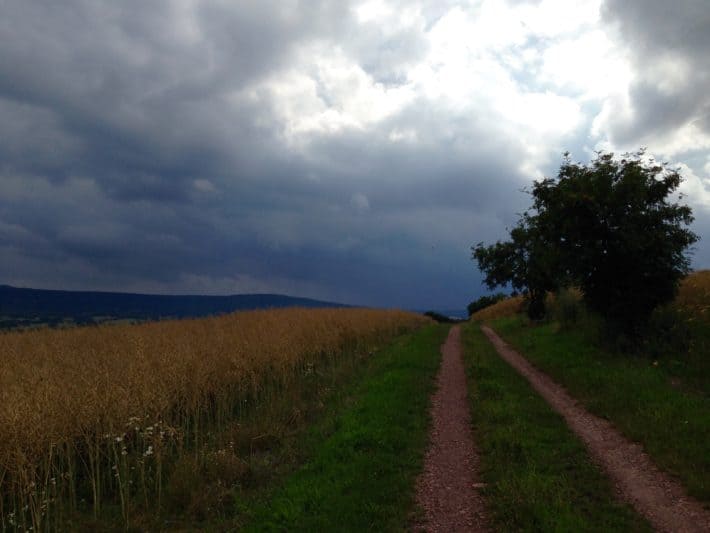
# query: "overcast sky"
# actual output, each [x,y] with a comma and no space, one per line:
[349,151]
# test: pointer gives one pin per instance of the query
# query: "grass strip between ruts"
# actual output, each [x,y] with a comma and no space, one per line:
[537,474]
[672,424]
[362,470]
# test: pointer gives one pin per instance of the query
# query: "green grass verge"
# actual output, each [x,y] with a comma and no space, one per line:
[363,458]
[640,399]
[538,475]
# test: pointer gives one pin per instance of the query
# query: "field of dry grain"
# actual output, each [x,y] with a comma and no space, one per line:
[92,413]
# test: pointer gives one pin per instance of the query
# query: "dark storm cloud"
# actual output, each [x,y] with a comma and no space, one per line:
[134,93]
[460,169]
[134,156]
[669,44]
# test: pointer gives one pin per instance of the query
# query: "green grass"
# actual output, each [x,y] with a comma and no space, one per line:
[639,398]
[363,458]
[538,475]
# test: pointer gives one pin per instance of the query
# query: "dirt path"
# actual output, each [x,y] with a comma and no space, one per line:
[447,490]
[653,493]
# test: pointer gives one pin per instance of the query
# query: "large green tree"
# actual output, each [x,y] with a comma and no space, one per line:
[615,228]
[619,230]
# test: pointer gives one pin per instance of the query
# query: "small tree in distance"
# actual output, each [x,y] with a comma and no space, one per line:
[613,228]
[525,263]
[484,301]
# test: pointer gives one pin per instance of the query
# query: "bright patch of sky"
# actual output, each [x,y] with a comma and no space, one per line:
[544,72]
[538,71]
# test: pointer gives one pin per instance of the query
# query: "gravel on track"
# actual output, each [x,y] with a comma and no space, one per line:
[448,489]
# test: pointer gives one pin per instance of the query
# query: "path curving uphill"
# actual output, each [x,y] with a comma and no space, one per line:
[653,493]
[447,490]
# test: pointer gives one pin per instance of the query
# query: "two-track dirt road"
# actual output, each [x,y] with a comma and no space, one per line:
[448,489]
[653,493]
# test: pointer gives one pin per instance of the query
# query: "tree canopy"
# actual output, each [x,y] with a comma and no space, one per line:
[615,228]
[523,262]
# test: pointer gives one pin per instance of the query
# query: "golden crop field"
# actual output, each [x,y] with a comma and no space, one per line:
[694,294]
[89,412]
[507,307]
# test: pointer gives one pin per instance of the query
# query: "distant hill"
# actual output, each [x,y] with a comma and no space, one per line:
[28,307]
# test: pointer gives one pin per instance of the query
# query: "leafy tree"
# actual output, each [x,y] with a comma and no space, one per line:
[525,263]
[618,232]
[615,228]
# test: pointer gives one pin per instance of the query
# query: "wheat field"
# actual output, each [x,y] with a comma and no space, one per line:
[92,413]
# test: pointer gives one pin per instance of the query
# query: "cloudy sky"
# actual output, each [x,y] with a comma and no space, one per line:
[342,150]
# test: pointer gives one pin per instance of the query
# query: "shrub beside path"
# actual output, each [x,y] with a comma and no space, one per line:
[653,493]
[448,489]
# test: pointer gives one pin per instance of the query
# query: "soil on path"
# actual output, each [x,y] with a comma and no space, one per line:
[653,493]
[447,490]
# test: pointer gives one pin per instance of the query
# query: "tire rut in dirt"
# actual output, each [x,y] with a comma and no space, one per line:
[447,490]
[653,493]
